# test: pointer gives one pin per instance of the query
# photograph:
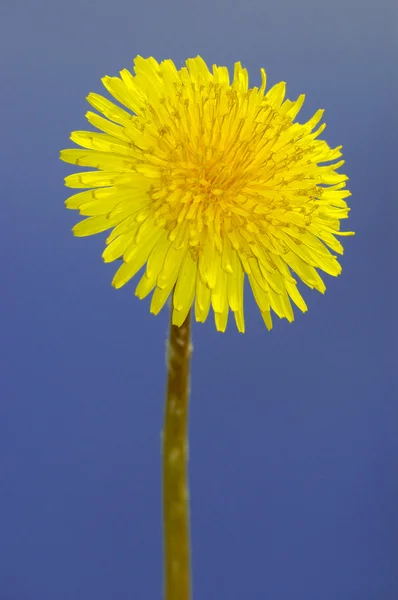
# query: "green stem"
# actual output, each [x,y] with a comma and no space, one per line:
[177,562]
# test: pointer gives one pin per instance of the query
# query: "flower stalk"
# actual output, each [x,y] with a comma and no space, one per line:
[177,561]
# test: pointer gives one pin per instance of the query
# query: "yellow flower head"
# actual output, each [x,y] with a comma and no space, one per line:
[203,181]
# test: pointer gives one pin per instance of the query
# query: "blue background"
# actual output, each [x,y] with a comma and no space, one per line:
[293,433]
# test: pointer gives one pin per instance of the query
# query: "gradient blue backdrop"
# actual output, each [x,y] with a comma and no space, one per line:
[294,448]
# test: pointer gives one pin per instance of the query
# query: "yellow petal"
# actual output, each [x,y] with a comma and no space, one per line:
[185,287]
[109,109]
[116,248]
[202,300]
[129,269]
[94,225]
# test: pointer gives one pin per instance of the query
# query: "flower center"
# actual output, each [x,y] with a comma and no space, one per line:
[224,161]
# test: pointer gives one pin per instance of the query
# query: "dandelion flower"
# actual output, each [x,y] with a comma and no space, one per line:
[204,181]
